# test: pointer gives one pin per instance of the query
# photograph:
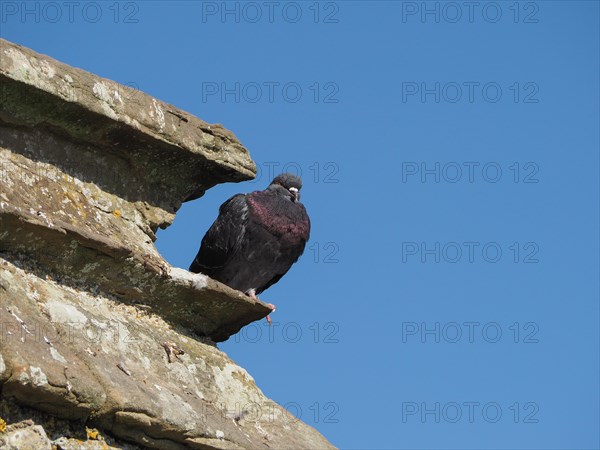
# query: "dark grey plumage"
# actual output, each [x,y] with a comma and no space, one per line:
[256,237]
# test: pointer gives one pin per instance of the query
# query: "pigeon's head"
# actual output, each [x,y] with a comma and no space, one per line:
[287,184]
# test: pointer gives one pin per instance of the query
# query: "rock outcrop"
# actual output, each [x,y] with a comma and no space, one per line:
[98,333]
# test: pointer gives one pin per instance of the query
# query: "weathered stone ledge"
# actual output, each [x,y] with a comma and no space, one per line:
[84,356]
[175,154]
[193,301]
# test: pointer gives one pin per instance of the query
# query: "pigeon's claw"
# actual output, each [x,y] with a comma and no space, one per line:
[273,309]
[252,294]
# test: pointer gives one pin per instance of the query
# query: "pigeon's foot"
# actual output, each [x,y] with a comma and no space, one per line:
[252,294]
[273,309]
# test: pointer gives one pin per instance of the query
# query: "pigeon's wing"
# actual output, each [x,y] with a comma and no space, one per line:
[224,237]
[283,268]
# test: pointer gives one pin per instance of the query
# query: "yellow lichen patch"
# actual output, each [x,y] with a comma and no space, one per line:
[71,196]
[2,425]
[117,213]
[92,433]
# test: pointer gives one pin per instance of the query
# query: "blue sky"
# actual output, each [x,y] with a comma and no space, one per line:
[448,297]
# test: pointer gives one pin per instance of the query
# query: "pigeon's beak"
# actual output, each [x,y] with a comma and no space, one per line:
[295,194]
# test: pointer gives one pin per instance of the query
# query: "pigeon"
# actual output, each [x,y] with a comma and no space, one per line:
[256,238]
